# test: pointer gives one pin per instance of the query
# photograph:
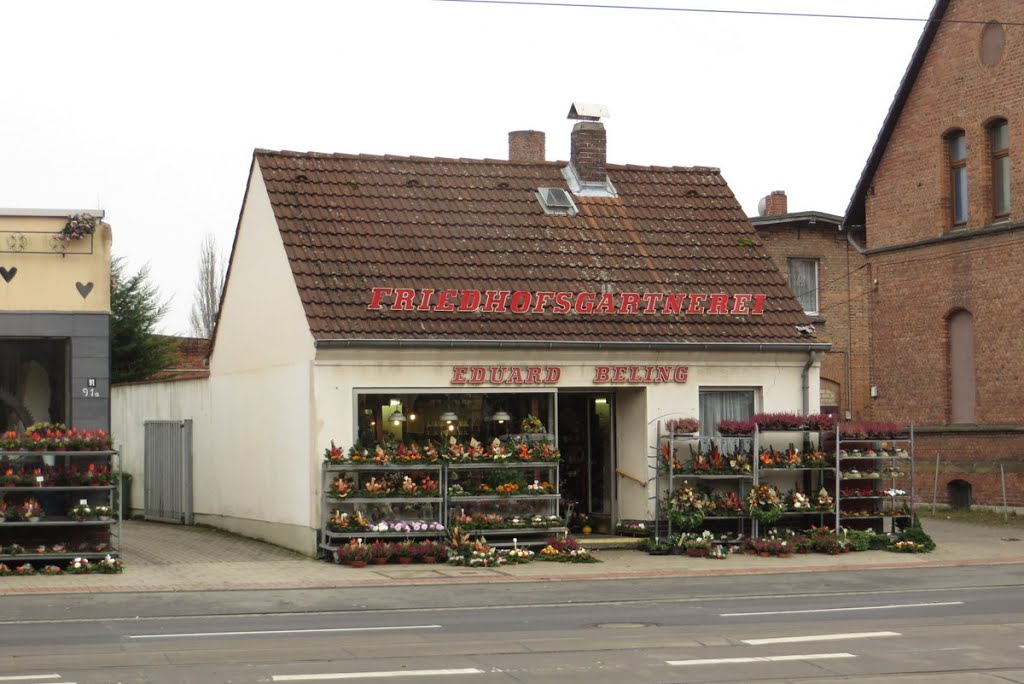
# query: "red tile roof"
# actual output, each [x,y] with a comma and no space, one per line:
[354,222]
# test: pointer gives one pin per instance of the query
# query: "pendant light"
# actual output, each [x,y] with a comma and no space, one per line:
[500,417]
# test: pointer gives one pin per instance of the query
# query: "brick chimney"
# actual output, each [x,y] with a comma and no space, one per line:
[775,204]
[589,151]
[526,146]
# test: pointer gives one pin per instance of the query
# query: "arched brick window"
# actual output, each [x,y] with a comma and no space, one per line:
[956,147]
[999,147]
[962,390]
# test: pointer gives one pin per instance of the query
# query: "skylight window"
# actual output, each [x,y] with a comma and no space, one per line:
[556,201]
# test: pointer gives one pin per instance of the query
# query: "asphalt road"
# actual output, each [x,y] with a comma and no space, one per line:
[961,625]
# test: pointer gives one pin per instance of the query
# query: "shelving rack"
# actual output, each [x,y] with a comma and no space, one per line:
[885,517]
[379,509]
[56,501]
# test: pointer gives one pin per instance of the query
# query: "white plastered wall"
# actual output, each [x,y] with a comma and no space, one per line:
[257,476]
[777,376]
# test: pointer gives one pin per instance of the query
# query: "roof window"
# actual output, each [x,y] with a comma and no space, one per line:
[556,201]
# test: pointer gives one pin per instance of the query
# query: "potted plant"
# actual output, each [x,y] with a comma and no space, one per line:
[381,551]
[405,552]
[699,546]
[103,512]
[356,553]
[682,426]
[30,510]
[80,512]
[735,428]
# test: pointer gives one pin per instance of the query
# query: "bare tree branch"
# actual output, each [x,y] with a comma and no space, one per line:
[209,286]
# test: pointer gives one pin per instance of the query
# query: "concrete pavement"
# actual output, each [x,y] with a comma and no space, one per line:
[170,558]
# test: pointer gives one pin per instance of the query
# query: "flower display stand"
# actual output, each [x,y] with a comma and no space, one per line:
[869,468]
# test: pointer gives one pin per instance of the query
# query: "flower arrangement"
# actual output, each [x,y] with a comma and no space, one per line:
[334,454]
[816,459]
[823,500]
[507,489]
[633,529]
[682,426]
[798,501]
[343,522]
[26,569]
[341,488]
[538,487]
[724,503]
[735,428]
[532,425]
[566,550]
[409,454]
[475,553]
[77,227]
[407,526]
[669,462]
[381,549]
[5,571]
[109,566]
[686,507]
[697,545]
[906,546]
[430,551]
[79,566]
[764,503]
[50,570]
[408,488]
[518,555]
[376,487]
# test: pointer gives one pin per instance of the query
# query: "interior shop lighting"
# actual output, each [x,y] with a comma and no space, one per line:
[501,417]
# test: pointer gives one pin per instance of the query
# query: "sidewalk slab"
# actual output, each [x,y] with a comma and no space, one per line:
[171,558]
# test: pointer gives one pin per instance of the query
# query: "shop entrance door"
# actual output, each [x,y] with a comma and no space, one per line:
[586,439]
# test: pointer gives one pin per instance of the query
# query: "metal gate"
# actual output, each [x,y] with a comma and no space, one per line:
[168,471]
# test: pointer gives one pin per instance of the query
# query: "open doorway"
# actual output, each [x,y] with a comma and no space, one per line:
[586,439]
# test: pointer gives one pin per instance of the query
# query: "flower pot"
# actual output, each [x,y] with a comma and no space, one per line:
[429,559]
[34,519]
[357,564]
[404,560]
[104,518]
[380,560]
[763,554]
[697,553]
[784,554]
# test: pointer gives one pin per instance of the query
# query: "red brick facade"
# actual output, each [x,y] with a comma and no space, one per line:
[923,268]
[843,286]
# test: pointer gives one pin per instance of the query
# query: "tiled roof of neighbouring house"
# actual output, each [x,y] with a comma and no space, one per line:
[351,223]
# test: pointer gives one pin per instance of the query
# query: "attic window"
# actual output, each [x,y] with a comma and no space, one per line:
[556,201]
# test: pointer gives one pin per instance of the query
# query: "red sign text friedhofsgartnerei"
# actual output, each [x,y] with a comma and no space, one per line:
[522,301]
[550,375]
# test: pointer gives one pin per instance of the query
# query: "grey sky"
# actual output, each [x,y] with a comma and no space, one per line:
[151,110]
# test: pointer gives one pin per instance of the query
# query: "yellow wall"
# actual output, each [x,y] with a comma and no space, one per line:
[53,275]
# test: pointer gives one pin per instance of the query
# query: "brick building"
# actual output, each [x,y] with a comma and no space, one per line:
[829,277]
[939,208]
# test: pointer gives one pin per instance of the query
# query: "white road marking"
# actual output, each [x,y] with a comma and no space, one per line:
[25,678]
[761,659]
[375,675]
[819,637]
[279,631]
[840,610]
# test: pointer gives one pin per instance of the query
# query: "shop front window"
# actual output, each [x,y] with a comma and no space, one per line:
[33,382]
[422,417]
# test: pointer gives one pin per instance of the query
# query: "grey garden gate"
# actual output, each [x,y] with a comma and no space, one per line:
[168,471]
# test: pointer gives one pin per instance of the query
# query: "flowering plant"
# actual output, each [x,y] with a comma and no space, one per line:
[80,512]
[816,459]
[669,462]
[725,503]
[519,554]
[778,421]
[728,428]
[545,451]
[823,499]
[682,426]
[354,550]
[566,550]
[408,454]
[50,570]
[77,227]
[29,509]
[507,489]
[798,501]
[538,487]
[820,422]
[78,566]
[765,503]
[462,550]
[632,529]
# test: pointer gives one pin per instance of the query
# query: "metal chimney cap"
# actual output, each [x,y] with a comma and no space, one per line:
[588,112]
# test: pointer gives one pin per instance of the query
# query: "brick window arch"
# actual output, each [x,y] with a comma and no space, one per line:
[999,148]
[962,387]
[956,152]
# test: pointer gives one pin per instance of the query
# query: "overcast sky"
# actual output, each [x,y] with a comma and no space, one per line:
[151,110]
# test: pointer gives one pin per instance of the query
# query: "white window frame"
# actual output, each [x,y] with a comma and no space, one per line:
[814,292]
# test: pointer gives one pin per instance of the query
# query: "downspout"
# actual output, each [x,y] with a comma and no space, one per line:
[805,377]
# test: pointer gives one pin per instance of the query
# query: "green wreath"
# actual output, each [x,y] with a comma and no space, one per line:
[766,513]
[686,520]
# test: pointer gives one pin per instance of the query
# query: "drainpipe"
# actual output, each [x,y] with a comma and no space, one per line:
[805,376]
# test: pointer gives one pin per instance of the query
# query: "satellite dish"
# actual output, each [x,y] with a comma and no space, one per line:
[762,206]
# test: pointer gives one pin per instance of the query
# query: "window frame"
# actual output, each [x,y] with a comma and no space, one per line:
[816,293]
[1000,156]
[958,180]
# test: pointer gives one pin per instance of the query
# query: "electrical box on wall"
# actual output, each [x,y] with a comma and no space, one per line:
[874,391]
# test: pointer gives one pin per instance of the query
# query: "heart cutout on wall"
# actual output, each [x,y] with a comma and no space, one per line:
[84,290]
[8,275]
